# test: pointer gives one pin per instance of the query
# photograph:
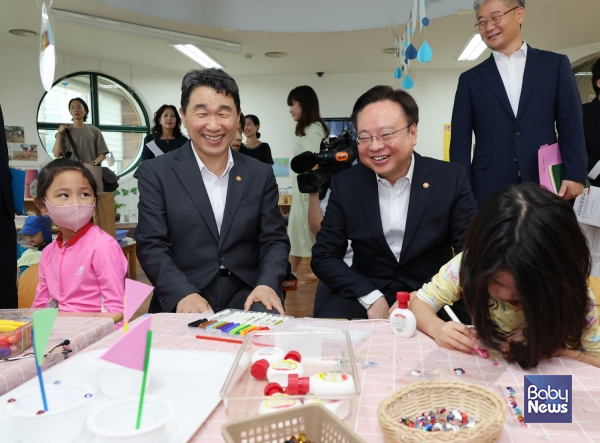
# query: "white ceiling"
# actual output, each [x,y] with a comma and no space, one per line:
[549,24]
[289,16]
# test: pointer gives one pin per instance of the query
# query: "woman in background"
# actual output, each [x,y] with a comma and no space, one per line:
[310,130]
[254,147]
[237,141]
[165,135]
[90,147]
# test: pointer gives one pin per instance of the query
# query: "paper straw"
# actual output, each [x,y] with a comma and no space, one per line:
[146,361]
[39,374]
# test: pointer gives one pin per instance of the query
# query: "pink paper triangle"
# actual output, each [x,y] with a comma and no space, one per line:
[135,294]
[130,349]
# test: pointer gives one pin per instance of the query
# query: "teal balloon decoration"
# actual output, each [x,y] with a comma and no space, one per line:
[406,44]
[397,73]
[411,52]
[408,82]
[403,53]
[410,31]
[425,53]
[425,21]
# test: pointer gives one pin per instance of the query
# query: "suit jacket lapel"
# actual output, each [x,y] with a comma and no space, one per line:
[369,196]
[235,190]
[419,195]
[191,178]
[534,65]
[491,76]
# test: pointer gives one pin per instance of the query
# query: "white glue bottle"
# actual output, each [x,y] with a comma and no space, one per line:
[324,383]
[403,321]
[278,401]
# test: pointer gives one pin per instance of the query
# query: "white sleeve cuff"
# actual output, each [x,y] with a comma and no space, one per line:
[424,298]
[593,174]
[367,300]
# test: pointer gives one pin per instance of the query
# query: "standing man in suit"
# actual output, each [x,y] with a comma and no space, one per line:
[403,213]
[8,233]
[511,102]
[210,234]
[591,128]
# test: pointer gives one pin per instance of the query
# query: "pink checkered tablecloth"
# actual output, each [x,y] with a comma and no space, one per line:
[386,363]
[81,331]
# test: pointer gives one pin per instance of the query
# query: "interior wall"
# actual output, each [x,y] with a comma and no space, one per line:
[265,96]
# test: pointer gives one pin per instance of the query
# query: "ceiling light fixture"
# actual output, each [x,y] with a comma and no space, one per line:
[276,54]
[23,32]
[390,51]
[198,56]
[172,37]
[473,49]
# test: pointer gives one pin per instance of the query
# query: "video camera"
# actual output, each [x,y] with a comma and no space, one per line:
[333,157]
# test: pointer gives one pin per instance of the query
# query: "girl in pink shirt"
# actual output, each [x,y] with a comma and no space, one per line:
[84,269]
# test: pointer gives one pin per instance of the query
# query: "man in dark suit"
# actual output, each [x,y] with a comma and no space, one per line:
[591,128]
[8,234]
[210,234]
[403,213]
[511,102]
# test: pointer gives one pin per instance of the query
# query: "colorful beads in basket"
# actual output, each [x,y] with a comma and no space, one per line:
[440,421]
[300,439]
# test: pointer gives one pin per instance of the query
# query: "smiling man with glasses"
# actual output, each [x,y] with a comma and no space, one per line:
[515,102]
[403,213]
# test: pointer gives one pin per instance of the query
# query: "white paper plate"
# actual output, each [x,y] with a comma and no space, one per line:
[191,380]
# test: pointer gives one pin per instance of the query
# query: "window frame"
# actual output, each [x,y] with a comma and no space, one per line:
[95,114]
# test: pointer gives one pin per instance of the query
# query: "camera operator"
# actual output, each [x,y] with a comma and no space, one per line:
[403,213]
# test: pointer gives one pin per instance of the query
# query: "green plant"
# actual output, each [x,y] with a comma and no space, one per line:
[123,192]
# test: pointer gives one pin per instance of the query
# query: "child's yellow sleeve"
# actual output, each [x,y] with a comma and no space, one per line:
[444,287]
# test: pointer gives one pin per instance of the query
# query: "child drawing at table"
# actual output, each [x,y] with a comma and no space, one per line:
[524,277]
[84,269]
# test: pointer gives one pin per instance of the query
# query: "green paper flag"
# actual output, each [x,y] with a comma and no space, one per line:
[42,328]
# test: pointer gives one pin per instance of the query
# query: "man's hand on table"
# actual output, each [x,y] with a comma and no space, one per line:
[379,309]
[192,303]
[265,295]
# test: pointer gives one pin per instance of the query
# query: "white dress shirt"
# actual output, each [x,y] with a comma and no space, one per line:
[393,208]
[216,187]
[511,71]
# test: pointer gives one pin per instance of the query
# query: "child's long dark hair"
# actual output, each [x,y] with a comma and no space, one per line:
[55,167]
[532,234]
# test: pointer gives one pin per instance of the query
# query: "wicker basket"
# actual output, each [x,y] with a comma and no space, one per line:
[481,404]
[317,423]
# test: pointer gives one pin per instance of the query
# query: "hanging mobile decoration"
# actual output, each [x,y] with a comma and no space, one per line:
[64,81]
[425,53]
[47,50]
[408,82]
[398,72]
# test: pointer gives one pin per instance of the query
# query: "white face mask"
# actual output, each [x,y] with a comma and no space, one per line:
[71,217]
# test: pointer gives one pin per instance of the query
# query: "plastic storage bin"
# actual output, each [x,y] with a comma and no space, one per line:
[15,342]
[321,351]
[314,421]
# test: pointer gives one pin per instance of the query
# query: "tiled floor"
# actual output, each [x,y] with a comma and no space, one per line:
[299,303]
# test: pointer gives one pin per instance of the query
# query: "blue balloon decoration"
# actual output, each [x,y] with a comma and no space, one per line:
[411,52]
[406,61]
[425,21]
[408,82]
[406,44]
[410,31]
[425,53]
[402,68]
[397,73]
[403,53]
[64,83]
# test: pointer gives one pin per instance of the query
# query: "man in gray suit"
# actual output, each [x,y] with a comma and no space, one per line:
[210,234]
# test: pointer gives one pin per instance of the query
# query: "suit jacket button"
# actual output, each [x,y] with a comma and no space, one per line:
[515,159]
[221,259]
[518,133]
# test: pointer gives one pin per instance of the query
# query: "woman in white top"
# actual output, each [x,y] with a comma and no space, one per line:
[90,147]
[310,130]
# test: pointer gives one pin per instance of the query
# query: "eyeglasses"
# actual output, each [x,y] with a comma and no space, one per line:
[494,19]
[385,136]
[78,108]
